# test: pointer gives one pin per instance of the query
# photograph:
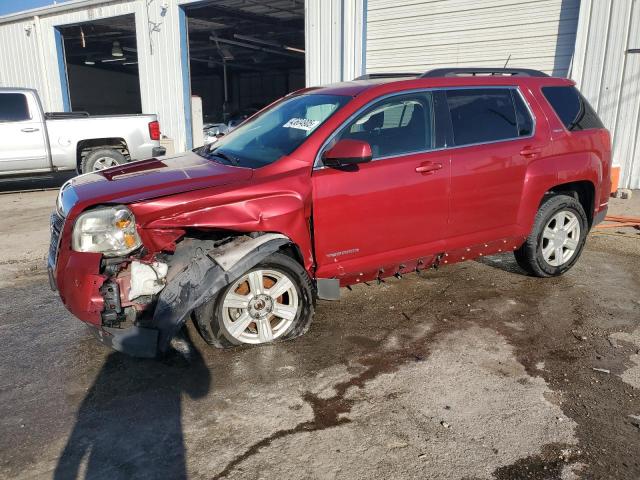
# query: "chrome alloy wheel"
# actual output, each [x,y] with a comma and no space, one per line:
[260,306]
[104,162]
[560,238]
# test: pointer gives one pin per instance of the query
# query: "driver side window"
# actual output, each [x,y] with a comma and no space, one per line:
[395,126]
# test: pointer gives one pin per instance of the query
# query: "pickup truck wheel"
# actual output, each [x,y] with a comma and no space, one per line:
[557,239]
[272,301]
[101,159]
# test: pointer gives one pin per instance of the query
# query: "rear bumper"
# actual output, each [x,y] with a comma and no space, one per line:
[158,151]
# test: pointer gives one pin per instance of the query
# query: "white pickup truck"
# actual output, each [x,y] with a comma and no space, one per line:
[33,142]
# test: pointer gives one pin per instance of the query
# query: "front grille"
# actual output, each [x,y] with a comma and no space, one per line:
[57,222]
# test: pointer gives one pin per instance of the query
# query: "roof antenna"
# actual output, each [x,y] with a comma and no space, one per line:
[505,63]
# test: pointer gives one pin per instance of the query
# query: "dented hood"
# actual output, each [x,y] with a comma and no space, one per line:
[148,179]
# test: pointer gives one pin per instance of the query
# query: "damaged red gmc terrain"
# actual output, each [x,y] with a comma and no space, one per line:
[330,187]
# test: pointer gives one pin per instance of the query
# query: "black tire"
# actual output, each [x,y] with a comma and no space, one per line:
[90,160]
[208,317]
[529,256]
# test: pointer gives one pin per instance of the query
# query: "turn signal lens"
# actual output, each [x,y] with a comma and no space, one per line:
[123,223]
[130,240]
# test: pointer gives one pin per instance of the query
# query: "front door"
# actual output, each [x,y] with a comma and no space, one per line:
[23,142]
[393,208]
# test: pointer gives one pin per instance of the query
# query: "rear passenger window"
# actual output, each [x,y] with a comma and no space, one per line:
[13,107]
[572,108]
[480,115]
[400,125]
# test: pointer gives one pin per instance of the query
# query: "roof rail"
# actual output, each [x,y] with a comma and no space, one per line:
[371,76]
[454,72]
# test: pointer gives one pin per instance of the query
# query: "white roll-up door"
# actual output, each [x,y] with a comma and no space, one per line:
[414,36]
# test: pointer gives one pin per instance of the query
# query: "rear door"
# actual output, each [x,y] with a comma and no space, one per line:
[393,208]
[495,138]
[23,144]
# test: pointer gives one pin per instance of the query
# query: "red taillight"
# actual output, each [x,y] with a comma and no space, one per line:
[154,130]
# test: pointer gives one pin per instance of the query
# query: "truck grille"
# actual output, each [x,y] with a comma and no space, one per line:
[57,222]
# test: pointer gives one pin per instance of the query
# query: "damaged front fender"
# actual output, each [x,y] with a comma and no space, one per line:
[199,269]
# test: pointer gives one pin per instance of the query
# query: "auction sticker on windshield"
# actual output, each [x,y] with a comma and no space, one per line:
[302,124]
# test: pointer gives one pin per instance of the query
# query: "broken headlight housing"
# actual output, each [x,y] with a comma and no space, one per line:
[110,231]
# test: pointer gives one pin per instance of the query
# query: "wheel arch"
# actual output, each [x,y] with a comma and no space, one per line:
[86,146]
[583,191]
[575,174]
[199,268]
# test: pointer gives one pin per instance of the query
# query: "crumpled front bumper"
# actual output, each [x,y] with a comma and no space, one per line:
[134,341]
[197,271]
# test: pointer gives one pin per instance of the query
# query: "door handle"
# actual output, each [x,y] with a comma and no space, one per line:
[428,168]
[30,129]
[530,151]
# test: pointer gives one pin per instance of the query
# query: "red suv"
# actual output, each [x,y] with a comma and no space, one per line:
[330,187]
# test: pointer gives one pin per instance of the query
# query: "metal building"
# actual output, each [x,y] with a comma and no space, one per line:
[606,68]
[153,55]
[33,49]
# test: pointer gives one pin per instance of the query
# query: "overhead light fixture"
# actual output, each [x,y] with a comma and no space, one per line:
[116,50]
[89,61]
[294,49]
[267,42]
[226,53]
[253,47]
[255,40]
[130,63]
[108,60]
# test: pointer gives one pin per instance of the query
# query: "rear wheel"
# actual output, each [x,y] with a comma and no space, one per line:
[101,159]
[557,238]
[272,301]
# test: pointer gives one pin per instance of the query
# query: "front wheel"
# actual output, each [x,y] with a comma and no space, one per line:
[272,301]
[557,238]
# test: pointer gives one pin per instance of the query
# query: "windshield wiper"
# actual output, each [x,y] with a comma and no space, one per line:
[224,156]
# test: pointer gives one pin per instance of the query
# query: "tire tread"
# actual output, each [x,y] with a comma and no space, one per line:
[527,256]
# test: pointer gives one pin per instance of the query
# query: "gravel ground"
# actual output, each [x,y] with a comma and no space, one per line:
[474,371]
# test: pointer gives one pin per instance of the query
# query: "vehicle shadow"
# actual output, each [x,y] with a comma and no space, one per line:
[43,182]
[502,261]
[129,423]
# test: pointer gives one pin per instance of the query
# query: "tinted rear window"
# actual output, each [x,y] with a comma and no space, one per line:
[13,107]
[572,108]
[480,115]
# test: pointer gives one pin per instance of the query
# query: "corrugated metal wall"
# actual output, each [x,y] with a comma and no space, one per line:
[609,76]
[20,64]
[411,35]
[334,40]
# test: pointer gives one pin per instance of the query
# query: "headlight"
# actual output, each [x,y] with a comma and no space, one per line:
[110,231]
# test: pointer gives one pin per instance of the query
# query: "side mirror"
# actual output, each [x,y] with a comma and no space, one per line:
[347,152]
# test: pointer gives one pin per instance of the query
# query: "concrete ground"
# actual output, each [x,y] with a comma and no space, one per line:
[474,371]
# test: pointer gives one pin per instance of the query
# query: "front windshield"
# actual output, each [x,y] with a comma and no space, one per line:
[274,133]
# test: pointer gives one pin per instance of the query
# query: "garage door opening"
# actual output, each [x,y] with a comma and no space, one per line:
[101,60]
[244,54]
